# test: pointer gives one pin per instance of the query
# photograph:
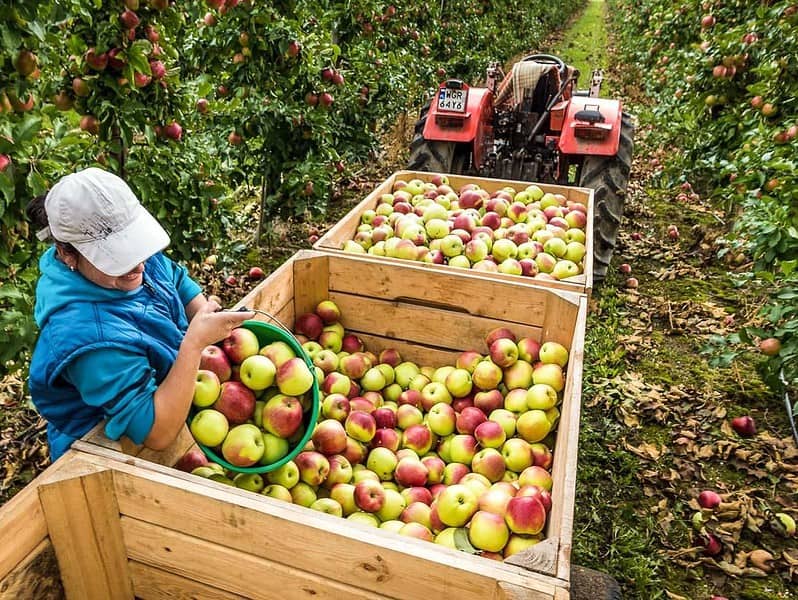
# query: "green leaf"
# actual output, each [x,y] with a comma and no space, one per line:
[27,129]
[463,543]
[36,183]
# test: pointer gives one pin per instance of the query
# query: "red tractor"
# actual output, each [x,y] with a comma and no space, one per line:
[532,125]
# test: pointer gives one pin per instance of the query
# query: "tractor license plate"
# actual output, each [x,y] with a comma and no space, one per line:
[452,100]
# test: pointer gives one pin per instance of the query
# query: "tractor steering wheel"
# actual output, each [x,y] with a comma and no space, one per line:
[548,59]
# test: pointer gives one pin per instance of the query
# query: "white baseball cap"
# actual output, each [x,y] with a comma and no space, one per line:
[99,214]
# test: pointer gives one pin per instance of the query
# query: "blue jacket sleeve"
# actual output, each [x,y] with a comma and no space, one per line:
[122,384]
[186,287]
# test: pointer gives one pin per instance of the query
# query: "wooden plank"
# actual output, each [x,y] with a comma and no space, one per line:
[541,558]
[447,329]
[83,521]
[567,448]
[36,576]
[461,291]
[423,356]
[197,559]
[125,445]
[273,293]
[311,281]
[370,558]
[150,583]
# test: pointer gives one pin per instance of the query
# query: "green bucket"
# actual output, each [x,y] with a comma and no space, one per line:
[267,333]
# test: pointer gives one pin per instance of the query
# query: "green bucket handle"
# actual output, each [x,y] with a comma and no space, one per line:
[311,416]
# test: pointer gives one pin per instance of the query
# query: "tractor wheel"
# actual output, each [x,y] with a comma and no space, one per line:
[435,156]
[608,176]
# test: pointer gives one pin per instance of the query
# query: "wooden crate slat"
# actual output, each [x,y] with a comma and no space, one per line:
[22,521]
[460,291]
[311,283]
[231,570]
[36,576]
[83,524]
[423,325]
[423,356]
[150,583]
[274,297]
[365,557]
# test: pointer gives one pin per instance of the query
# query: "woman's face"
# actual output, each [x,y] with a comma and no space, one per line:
[126,283]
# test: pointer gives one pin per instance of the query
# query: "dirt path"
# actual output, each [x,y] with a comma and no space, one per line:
[655,425]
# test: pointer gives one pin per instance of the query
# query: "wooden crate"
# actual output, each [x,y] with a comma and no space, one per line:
[345,229]
[429,316]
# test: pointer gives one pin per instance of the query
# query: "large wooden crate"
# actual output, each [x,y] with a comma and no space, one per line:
[345,229]
[183,532]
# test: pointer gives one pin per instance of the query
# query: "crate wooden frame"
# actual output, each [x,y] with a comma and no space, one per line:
[345,229]
[154,508]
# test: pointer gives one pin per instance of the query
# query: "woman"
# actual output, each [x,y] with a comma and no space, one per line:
[121,326]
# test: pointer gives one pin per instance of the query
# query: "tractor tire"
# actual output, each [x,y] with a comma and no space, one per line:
[589,584]
[435,156]
[608,177]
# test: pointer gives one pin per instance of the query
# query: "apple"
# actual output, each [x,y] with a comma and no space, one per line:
[504,352]
[553,352]
[417,438]
[488,401]
[458,382]
[487,375]
[411,472]
[454,472]
[206,388]
[490,463]
[326,360]
[488,531]
[236,402]
[709,499]
[383,462]
[541,455]
[537,476]
[525,515]
[405,372]
[468,420]
[355,451]
[468,360]
[441,419]
[303,494]
[351,343]
[213,358]
[384,418]
[417,494]
[373,379]
[417,530]
[355,365]
[278,352]
[331,340]
[435,467]
[369,496]
[274,448]
[278,492]
[417,512]
[360,426]
[533,425]
[335,406]
[310,325]
[515,401]
[388,438]
[462,448]
[541,396]
[313,467]
[770,346]
[391,357]
[329,437]
[344,494]
[286,475]
[517,543]
[240,344]
[744,426]
[243,445]
[452,245]
[536,492]
[257,372]
[392,507]
[337,383]
[252,482]
[506,419]
[456,505]
[549,373]
[517,454]
[490,434]
[282,415]
[191,460]
[494,500]
[329,506]
[434,393]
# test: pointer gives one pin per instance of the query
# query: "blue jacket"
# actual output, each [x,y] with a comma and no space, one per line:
[102,353]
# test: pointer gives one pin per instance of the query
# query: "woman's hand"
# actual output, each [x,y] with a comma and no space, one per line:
[211,324]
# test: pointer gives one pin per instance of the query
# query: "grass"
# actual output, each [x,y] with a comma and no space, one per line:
[585,43]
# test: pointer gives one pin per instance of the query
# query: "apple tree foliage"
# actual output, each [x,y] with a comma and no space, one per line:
[724,75]
[193,101]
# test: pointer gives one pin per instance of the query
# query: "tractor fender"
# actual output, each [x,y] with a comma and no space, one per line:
[611,111]
[474,128]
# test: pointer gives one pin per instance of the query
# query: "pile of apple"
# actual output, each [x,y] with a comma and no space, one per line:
[250,400]
[526,232]
[459,455]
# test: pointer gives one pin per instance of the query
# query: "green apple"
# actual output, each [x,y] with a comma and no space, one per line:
[286,476]
[243,446]
[405,372]
[541,396]
[518,375]
[392,525]
[303,494]
[458,383]
[206,388]
[506,419]
[549,373]
[565,269]
[441,419]
[488,531]
[383,462]
[257,372]
[517,542]
[487,375]
[329,506]
[515,401]
[393,506]
[274,448]
[294,377]
[533,425]
[553,352]
[489,463]
[364,518]
[278,492]
[209,427]
[456,505]
[517,454]
[344,494]
[374,380]
[249,481]
[204,471]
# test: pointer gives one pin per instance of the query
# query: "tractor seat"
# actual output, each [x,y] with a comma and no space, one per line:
[543,79]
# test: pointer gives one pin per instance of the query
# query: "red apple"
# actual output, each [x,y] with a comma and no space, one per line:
[236,402]
[709,499]
[744,426]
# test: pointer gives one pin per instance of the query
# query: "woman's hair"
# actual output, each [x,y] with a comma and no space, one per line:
[37,215]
